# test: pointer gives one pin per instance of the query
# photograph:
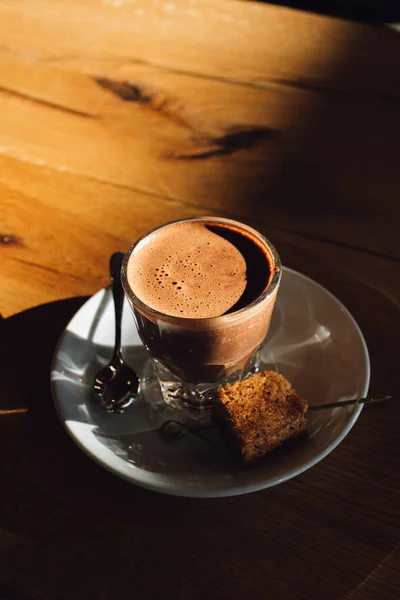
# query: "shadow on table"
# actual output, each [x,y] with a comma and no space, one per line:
[29,339]
[330,171]
[72,529]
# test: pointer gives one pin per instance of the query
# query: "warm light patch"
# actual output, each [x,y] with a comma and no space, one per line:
[12,411]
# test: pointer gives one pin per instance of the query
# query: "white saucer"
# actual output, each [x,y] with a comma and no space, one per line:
[313,341]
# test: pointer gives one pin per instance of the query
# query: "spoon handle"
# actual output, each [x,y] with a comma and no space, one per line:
[367,400]
[118,295]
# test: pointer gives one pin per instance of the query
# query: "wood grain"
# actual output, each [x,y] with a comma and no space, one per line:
[302,159]
[119,115]
[266,44]
[65,227]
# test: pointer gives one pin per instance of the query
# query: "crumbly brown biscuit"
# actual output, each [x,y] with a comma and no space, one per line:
[259,414]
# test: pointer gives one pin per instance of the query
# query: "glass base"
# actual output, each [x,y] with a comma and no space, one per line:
[160,385]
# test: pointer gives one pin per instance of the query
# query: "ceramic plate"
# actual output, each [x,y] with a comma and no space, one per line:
[313,341]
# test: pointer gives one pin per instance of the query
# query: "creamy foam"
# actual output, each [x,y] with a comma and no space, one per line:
[187,270]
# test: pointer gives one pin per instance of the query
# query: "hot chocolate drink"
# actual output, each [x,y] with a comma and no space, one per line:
[202,291]
[195,270]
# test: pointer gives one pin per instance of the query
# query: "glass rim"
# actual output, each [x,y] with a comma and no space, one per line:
[269,290]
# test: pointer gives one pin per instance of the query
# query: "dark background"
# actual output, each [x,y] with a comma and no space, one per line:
[369,11]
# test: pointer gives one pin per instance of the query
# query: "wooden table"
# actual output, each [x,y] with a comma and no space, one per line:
[116,116]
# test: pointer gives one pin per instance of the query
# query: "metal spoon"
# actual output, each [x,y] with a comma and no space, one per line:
[116,385]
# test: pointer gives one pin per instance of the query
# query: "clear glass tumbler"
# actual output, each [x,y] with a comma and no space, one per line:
[191,357]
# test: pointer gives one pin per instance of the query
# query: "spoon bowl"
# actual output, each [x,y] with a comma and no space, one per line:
[116,386]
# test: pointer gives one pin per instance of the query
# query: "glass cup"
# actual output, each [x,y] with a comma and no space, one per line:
[191,357]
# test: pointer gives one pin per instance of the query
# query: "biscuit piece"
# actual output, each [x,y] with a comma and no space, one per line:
[260,413]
